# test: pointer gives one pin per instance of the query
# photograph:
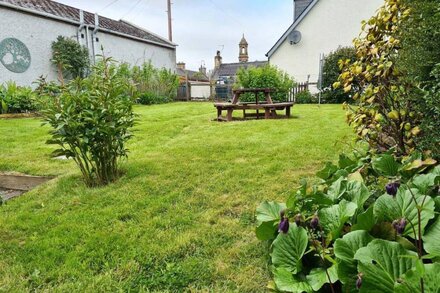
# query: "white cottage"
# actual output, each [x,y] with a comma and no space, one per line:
[319,27]
[28,28]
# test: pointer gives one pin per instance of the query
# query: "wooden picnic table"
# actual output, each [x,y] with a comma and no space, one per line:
[268,106]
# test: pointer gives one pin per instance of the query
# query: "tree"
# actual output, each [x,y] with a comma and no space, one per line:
[385,117]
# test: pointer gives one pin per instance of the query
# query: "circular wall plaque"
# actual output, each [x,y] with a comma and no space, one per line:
[14,55]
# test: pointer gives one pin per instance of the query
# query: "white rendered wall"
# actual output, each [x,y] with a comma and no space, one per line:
[38,33]
[200,90]
[330,24]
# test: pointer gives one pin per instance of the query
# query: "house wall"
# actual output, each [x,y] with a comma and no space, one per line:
[38,33]
[330,24]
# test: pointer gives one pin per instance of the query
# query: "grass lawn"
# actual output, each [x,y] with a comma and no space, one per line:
[182,217]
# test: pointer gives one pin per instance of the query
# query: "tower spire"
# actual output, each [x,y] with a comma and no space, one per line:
[243,55]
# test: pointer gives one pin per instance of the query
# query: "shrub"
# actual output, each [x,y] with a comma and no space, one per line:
[430,122]
[419,60]
[264,77]
[305,97]
[385,117]
[330,74]
[91,120]
[16,99]
[371,218]
[71,59]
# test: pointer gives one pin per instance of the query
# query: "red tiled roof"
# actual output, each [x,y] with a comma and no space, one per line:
[71,14]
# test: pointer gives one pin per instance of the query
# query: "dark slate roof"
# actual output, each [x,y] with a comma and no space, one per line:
[230,69]
[192,75]
[71,14]
[301,6]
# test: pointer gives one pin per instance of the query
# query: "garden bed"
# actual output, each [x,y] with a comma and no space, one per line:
[18,115]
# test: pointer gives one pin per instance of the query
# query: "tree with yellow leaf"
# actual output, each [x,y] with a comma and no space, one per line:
[383,116]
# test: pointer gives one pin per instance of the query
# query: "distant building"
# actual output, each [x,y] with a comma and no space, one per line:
[28,28]
[225,73]
[194,85]
[191,75]
[319,27]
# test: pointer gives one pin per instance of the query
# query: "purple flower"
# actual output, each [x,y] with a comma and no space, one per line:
[359,281]
[399,225]
[283,226]
[314,223]
[392,188]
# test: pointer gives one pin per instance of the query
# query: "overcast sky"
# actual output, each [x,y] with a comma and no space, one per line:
[201,27]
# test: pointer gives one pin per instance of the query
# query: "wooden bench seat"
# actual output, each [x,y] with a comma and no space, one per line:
[269,109]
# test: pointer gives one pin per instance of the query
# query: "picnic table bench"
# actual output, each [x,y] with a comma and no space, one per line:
[268,106]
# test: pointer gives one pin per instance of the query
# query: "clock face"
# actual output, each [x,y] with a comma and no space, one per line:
[14,55]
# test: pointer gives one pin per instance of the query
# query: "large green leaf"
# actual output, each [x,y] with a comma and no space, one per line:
[411,280]
[333,218]
[382,264]
[286,282]
[425,182]
[268,216]
[365,221]
[345,249]
[269,211]
[386,165]
[318,277]
[337,189]
[357,192]
[431,239]
[388,209]
[267,230]
[288,249]
[327,171]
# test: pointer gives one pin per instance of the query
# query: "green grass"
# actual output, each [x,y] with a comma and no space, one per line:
[182,216]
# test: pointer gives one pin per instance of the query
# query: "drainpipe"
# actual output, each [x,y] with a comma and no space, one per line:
[95,31]
[81,26]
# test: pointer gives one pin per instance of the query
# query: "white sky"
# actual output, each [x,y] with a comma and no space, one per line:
[201,27]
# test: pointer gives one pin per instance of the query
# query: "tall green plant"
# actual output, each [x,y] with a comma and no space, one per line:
[16,99]
[91,120]
[153,85]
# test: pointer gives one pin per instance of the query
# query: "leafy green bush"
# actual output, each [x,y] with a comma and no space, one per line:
[419,59]
[71,59]
[152,85]
[16,99]
[91,120]
[149,98]
[330,74]
[264,77]
[430,123]
[369,224]
[305,97]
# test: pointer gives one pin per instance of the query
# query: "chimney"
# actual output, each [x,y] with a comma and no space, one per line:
[202,70]
[181,65]
[217,60]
